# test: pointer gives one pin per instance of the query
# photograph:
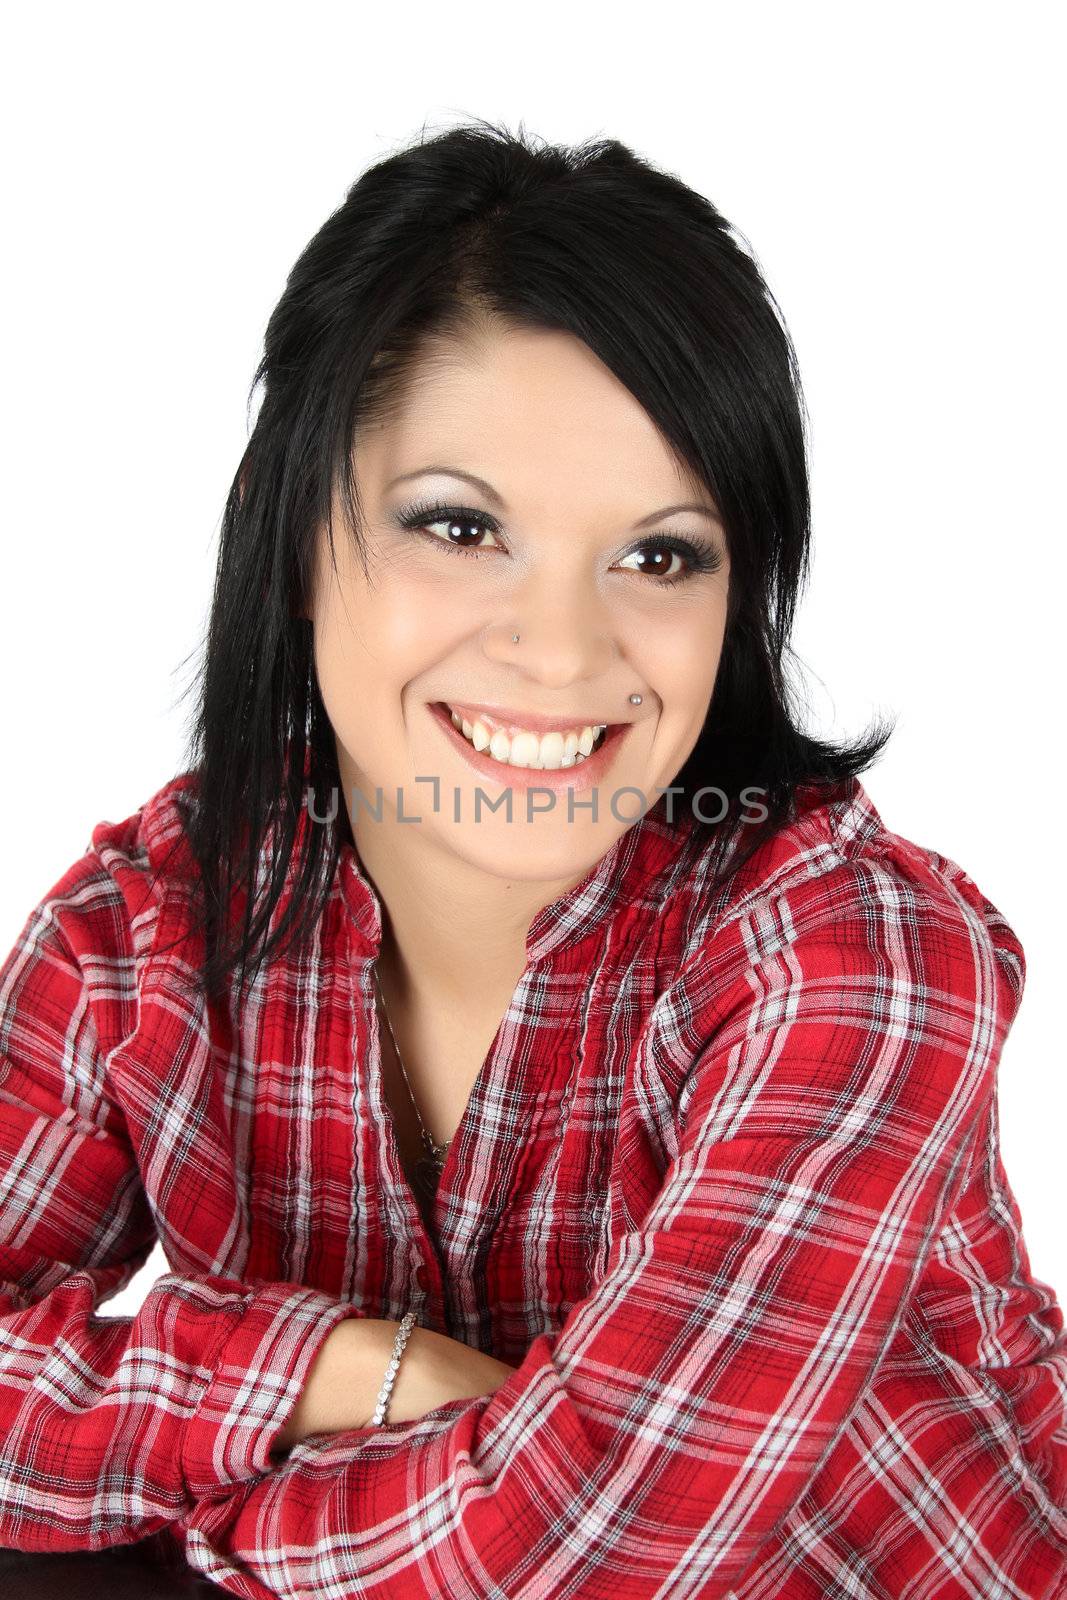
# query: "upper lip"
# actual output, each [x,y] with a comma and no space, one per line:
[526,719]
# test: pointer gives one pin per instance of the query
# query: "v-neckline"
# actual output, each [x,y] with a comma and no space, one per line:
[403,1187]
[618,878]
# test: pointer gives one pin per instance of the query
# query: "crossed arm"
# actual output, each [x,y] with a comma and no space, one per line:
[346,1375]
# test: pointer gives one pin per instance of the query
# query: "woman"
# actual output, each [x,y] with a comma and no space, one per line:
[569,1113]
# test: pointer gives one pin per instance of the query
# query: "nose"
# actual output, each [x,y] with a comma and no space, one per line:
[563,638]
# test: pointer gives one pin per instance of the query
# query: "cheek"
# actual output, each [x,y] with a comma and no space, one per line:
[370,644]
[368,631]
[410,603]
[681,660]
[408,624]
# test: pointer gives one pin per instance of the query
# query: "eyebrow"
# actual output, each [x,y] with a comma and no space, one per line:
[491,494]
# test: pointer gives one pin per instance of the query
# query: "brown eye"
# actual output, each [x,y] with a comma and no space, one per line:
[457,521]
[456,528]
[654,558]
[656,562]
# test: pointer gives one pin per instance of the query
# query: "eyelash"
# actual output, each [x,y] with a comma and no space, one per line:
[702,555]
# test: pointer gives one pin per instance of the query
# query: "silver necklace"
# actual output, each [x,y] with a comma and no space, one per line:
[428,1167]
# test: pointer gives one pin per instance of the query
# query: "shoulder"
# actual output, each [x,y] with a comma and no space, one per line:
[131,866]
[89,935]
[848,983]
[843,898]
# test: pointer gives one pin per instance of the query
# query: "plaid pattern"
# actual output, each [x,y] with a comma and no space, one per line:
[728,1187]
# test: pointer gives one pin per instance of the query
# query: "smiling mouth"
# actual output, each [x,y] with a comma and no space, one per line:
[527,750]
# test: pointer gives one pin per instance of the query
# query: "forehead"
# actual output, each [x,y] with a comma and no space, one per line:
[523,409]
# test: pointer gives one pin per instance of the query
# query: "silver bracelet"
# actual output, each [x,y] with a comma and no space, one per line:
[403,1333]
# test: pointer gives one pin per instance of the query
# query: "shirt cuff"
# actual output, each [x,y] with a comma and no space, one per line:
[258,1371]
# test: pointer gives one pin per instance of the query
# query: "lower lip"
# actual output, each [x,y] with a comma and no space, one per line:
[583,776]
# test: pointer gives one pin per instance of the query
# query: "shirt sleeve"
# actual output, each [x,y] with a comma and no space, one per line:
[112,1427]
[842,1040]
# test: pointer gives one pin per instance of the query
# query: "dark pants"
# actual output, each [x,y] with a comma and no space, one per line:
[151,1569]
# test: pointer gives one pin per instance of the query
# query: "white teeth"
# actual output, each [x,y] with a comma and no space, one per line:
[539,751]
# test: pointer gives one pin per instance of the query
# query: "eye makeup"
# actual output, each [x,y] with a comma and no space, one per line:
[701,555]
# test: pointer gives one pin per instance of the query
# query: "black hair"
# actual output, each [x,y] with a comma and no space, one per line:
[471,226]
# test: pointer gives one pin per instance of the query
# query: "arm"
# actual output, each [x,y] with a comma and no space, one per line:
[112,1428]
[345,1378]
[844,1041]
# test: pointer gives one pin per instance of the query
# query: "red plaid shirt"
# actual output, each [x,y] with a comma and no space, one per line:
[728,1187]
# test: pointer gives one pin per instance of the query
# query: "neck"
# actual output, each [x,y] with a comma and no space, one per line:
[451,932]
[439,946]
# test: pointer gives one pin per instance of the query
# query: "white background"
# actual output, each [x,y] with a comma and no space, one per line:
[898,171]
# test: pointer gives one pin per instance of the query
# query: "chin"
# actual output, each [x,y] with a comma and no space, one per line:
[536,852]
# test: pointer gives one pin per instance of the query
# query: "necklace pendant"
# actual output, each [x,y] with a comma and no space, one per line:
[434,1152]
[427,1175]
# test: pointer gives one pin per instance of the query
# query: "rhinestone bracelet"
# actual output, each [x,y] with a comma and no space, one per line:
[403,1333]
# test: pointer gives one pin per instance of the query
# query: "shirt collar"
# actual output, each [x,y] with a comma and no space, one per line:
[622,875]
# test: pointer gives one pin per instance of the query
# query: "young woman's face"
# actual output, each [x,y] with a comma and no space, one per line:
[554,545]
